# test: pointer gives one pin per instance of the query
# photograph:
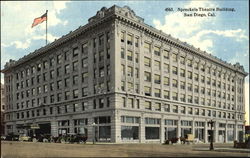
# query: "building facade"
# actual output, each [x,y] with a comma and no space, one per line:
[118,79]
[2,108]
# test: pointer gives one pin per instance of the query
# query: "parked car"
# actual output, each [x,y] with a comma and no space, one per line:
[3,137]
[12,137]
[25,138]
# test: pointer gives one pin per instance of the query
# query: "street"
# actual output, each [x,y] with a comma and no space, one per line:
[30,149]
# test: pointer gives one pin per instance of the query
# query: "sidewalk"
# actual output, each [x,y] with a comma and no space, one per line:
[241,150]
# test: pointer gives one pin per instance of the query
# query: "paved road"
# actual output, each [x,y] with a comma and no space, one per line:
[30,149]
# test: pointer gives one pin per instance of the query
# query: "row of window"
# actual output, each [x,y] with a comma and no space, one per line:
[175,56]
[169,122]
[175,109]
[66,55]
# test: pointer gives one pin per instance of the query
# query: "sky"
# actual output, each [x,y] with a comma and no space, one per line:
[225,35]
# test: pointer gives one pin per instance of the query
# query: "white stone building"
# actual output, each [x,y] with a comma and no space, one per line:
[124,81]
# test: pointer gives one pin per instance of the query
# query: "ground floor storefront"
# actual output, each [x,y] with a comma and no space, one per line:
[119,126]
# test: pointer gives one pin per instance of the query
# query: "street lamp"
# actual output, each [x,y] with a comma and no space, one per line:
[93,124]
[211,122]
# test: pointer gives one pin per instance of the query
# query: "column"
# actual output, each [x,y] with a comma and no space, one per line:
[205,132]
[216,131]
[71,126]
[236,131]
[142,129]
[162,130]
[54,128]
[179,130]
[115,127]
[226,133]
[193,128]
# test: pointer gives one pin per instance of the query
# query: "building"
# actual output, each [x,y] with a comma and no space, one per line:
[121,80]
[2,108]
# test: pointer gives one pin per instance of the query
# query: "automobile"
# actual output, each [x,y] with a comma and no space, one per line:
[3,137]
[25,138]
[71,138]
[12,137]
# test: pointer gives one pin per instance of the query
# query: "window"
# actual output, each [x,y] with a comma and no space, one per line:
[147,62]
[39,67]
[129,40]
[75,93]
[59,97]
[157,51]
[166,54]
[85,48]
[182,60]
[75,80]
[182,97]
[147,47]
[122,36]
[157,65]
[182,73]
[75,52]
[147,105]
[182,84]
[157,79]
[136,72]
[175,83]
[66,55]
[190,99]
[166,68]
[101,40]
[203,79]
[101,72]
[147,91]
[45,87]
[85,77]
[175,109]
[189,63]
[67,95]
[123,86]
[196,65]
[67,70]
[175,96]
[101,103]
[157,93]
[84,91]
[130,71]
[174,57]
[166,94]
[189,75]
[136,42]
[85,63]
[130,55]
[101,55]
[52,74]
[122,53]
[166,81]
[190,111]
[59,59]
[196,77]
[75,107]
[147,76]
[123,69]
[75,66]
[66,82]
[130,103]
[59,71]
[183,110]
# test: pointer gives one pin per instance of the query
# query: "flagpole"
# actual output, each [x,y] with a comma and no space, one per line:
[46,26]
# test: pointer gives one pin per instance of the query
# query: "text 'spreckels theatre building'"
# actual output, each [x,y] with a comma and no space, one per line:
[136,83]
